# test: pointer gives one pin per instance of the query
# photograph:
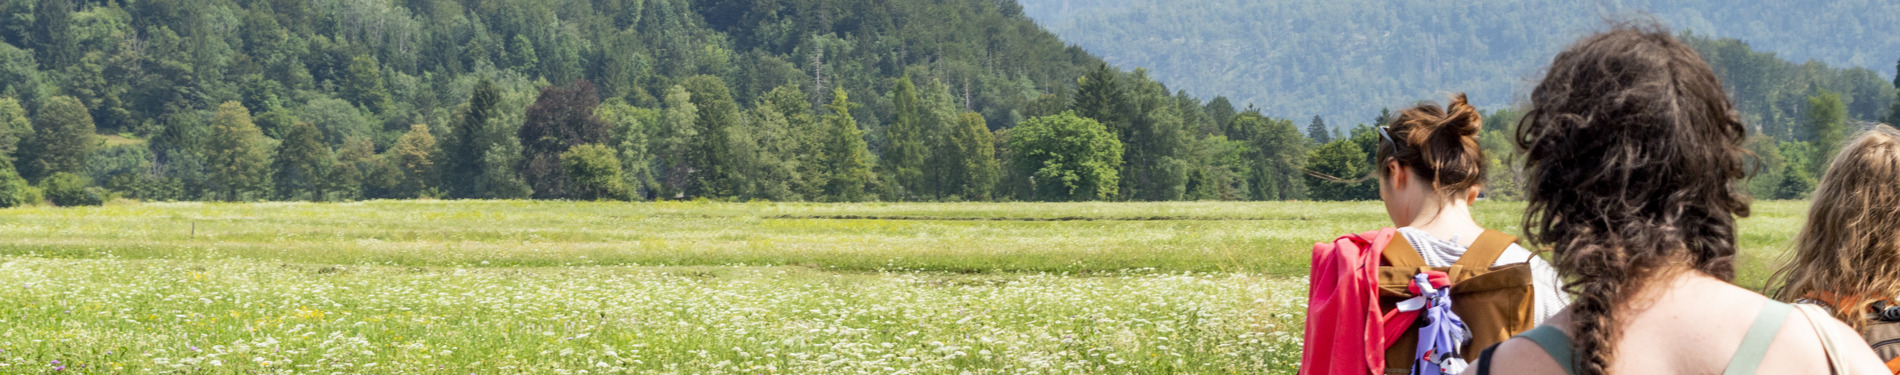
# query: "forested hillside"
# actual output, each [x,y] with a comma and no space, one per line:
[783,100]
[1346,59]
[274,99]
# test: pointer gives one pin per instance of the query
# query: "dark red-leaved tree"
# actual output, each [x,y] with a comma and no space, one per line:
[563,117]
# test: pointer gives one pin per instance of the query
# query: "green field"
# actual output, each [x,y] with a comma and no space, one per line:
[550,287]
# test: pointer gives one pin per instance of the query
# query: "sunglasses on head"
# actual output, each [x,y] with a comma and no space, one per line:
[1386,134]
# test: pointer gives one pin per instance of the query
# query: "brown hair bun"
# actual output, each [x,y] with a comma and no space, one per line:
[1441,144]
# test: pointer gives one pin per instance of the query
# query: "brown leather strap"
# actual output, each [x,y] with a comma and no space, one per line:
[1485,251]
[1400,253]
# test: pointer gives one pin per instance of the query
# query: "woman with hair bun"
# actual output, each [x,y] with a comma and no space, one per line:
[1431,172]
[1633,157]
[1417,298]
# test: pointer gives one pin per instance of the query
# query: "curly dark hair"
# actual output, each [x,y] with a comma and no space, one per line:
[1632,153]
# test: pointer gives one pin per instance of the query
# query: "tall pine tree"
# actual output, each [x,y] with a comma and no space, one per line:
[845,159]
[1099,97]
[1319,132]
[1826,117]
[904,158]
[465,149]
[976,149]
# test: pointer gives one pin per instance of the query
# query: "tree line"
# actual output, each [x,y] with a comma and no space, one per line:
[789,100]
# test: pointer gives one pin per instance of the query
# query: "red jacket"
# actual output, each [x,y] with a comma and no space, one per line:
[1345,331]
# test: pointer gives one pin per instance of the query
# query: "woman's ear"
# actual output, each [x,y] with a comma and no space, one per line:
[1472,195]
[1398,175]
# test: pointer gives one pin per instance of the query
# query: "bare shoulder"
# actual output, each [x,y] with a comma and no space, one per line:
[1798,348]
[1520,356]
[1858,356]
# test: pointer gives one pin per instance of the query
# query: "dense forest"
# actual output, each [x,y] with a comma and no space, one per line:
[783,100]
[1342,59]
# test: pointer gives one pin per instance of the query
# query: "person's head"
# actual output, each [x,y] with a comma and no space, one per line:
[1429,158]
[1850,246]
[1632,156]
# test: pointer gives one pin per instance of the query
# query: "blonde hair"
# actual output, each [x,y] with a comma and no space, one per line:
[1850,247]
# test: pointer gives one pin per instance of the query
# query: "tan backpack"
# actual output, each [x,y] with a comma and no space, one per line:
[1495,302]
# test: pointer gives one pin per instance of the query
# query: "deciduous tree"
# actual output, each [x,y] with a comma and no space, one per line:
[237,155]
[1070,158]
[62,140]
[302,165]
[416,152]
[595,172]
[563,117]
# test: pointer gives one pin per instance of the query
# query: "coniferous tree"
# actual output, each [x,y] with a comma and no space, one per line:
[773,152]
[904,159]
[62,140]
[944,171]
[1101,98]
[1276,155]
[237,156]
[53,34]
[563,117]
[302,165]
[1222,112]
[521,56]
[976,148]
[1826,117]
[363,85]
[1893,111]
[717,122]
[1319,132]
[465,150]
[846,161]
[1796,183]
[1153,166]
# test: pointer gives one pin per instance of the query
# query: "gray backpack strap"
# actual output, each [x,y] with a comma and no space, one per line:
[1555,343]
[1755,344]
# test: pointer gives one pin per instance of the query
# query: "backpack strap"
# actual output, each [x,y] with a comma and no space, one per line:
[1484,360]
[1555,343]
[1400,253]
[1485,251]
[1760,334]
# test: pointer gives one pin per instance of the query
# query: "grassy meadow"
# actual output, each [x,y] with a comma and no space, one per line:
[687,287]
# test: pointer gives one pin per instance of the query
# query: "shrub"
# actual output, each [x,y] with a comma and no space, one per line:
[14,191]
[595,172]
[67,189]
